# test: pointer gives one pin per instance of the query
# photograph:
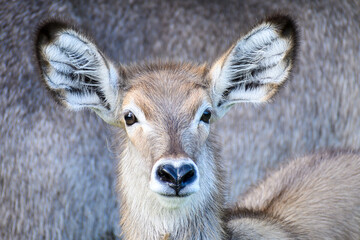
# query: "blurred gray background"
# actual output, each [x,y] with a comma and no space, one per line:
[57,171]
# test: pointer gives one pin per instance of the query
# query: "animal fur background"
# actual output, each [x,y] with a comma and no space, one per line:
[56,170]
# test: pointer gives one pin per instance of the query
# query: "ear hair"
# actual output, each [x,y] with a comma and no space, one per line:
[76,73]
[254,68]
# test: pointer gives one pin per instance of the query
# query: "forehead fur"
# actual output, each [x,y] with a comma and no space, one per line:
[174,87]
[185,72]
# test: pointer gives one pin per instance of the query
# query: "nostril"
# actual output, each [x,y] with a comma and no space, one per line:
[167,173]
[186,174]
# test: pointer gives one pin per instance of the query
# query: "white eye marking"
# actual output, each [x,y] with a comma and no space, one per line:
[139,115]
[135,110]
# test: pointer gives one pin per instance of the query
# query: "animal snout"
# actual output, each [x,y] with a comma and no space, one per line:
[177,177]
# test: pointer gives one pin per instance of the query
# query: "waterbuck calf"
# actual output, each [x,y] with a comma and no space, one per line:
[171,179]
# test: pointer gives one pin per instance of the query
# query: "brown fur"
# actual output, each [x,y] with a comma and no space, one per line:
[54,163]
[315,197]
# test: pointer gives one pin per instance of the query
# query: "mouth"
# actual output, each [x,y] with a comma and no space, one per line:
[175,195]
[166,192]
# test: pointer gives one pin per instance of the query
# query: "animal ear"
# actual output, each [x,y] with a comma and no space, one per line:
[77,74]
[254,68]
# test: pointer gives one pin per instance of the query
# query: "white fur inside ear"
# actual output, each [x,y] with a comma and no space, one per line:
[256,95]
[78,102]
[78,68]
[253,68]
[259,57]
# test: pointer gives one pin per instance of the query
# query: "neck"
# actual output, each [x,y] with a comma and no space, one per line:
[144,215]
[170,223]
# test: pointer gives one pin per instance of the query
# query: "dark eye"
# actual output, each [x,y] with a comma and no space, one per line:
[206,116]
[130,118]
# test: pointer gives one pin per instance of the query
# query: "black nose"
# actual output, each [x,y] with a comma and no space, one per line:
[176,177]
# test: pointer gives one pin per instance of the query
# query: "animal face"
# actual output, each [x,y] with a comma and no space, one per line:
[166,114]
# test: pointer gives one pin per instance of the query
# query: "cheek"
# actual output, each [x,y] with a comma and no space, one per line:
[203,132]
[138,153]
[138,138]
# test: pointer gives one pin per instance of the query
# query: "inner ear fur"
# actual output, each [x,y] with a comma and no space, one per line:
[75,71]
[256,65]
[44,35]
